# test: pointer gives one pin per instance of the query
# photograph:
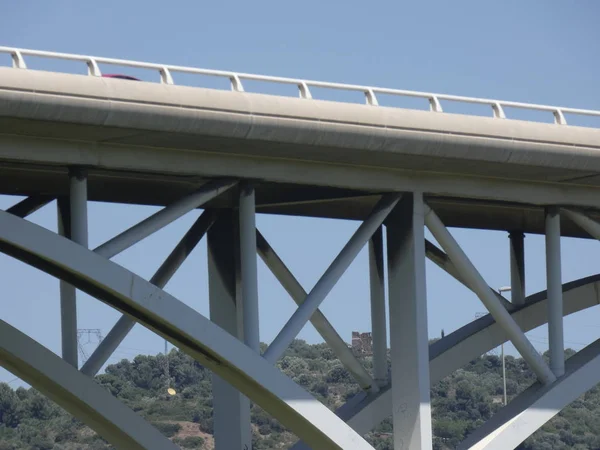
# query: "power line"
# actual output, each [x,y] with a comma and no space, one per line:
[92,334]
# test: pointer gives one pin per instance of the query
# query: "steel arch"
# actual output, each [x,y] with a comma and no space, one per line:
[76,393]
[364,412]
[535,406]
[184,327]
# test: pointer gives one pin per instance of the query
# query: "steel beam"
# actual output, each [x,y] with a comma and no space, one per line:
[184,327]
[68,317]
[534,407]
[29,205]
[162,276]
[408,325]
[162,218]
[76,393]
[439,258]
[333,273]
[517,267]
[487,297]
[318,320]
[72,211]
[79,214]
[555,299]
[378,313]
[231,409]
[365,411]
[589,225]
[248,267]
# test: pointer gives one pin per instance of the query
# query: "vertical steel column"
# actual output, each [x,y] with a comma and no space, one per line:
[231,409]
[248,267]
[68,304]
[319,321]
[517,267]
[555,298]
[378,316]
[488,297]
[79,215]
[72,223]
[331,276]
[408,325]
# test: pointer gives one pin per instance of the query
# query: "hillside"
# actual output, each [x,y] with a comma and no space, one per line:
[460,403]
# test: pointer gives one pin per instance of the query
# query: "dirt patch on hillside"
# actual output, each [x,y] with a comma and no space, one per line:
[191,429]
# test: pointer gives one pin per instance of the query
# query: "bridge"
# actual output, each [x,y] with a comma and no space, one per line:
[72,138]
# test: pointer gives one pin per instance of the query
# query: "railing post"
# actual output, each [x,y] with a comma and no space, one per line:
[236,83]
[17,60]
[304,91]
[498,111]
[435,105]
[165,76]
[93,68]
[371,97]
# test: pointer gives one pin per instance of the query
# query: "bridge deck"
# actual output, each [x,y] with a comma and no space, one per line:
[150,143]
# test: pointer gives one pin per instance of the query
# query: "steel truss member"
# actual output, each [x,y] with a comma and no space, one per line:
[197,336]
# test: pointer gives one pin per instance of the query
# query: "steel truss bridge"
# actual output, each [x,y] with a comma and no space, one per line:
[72,138]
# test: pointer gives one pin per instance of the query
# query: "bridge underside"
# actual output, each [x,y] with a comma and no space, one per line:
[119,186]
[74,139]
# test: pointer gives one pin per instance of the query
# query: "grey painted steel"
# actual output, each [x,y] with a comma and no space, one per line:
[503,375]
[68,295]
[79,214]
[589,225]
[534,407]
[78,232]
[411,410]
[487,297]
[318,320]
[231,409]
[76,393]
[162,218]
[378,313]
[364,412]
[517,267]
[437,256]
[333,273]
[442,260]
[136,233]
[248,266]
[160,279]
[185,328]
[176,126]
[555,301]
[29,205]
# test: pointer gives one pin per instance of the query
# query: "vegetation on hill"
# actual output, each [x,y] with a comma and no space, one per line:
[460,403]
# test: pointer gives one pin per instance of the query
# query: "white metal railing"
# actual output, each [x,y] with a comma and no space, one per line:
[165,71]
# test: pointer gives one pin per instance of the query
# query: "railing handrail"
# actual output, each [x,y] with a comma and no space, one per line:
[166,70]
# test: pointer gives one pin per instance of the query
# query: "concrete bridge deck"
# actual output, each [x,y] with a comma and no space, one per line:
[150,143]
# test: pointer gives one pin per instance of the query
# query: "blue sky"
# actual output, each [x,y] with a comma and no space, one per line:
[537,51]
